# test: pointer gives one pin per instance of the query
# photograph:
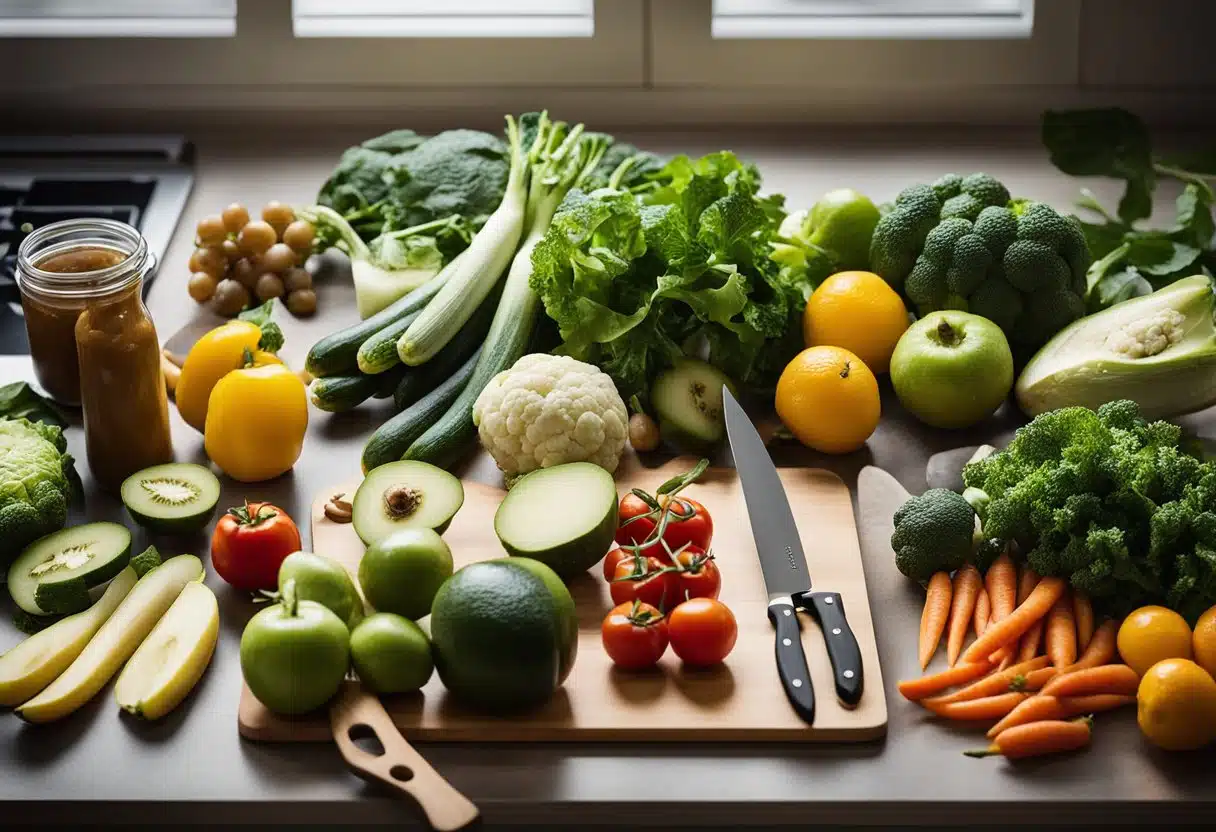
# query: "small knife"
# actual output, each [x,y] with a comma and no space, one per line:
[785,574]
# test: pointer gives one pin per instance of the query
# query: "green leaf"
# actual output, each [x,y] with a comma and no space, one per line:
[1157,255]
[1194,218]
[1202,162]
[19,401]
[1120,286]
[259,316]
[1102,238]
[1104,265]
[1099,142]
[1137,201]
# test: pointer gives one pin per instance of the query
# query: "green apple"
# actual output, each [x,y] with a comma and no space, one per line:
[952,369]
[391,654]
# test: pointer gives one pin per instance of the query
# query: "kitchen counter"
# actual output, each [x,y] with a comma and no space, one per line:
[192,766]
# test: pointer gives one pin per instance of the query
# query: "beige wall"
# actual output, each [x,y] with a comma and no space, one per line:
[651,63]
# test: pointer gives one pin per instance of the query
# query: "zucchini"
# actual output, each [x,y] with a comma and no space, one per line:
[54,573]
[391,439]
[338,394]
[337,353]
[422,380]
[379,352]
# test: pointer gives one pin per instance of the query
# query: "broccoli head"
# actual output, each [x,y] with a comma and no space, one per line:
[36,483]
[962,243]
[1118,505]
[933,533]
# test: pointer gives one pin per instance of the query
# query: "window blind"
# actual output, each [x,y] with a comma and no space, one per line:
[117,18]
[444,18]
[889,19]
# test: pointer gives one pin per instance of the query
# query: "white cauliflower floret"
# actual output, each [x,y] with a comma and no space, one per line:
[551,409]
[1148,336]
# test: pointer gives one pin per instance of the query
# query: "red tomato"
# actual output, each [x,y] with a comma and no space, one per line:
[635,635]
[614,557]
[249,544]
[698,576]
[702,631]
[689,522]
[645,579]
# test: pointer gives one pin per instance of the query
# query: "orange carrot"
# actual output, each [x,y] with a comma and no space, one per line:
[1036,679]
[1001,583]
[933,618]
[1060,633]
[1083,612]
[966,587]
[1031,642]
[1040,707]
[1012,626]
[1013,679]
[1037,738]
[1110,678]
[1028,579]
[982,612]
[1101,649]
[916,689]
[975,710]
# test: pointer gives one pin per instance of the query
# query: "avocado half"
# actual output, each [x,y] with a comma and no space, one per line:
[1158,350]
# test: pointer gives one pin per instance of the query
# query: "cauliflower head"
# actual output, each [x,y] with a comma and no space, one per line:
[547,410]
[36,483]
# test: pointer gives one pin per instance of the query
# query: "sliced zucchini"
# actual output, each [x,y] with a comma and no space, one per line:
[114,643]
[564,517]
[688,400]
[176,498]
[405,495]
[54,573]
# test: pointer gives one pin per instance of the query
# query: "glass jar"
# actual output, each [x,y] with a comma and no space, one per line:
[93,342]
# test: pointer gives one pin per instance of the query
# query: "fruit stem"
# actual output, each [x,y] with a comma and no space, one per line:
[947,334]
[979,753]
[288,597]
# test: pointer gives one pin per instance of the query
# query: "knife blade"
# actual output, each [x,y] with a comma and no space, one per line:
[786,577]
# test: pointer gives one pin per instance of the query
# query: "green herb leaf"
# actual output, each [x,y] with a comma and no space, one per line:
[1158,256]
[1102,238]
[1103,266]
[1102,142]
[1194,217]
[19,401]
[1120,286]
[1137,201]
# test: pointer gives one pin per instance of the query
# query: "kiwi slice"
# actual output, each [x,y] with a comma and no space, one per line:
[176,498]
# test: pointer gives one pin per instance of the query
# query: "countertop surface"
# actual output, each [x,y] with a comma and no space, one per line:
[195,767]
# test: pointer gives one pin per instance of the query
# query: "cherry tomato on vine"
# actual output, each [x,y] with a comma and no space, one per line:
[634,635]
[645,579]
[689,522]
[702,631]
[614,557]
[698,576]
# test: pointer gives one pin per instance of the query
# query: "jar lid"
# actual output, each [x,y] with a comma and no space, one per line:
[60,238]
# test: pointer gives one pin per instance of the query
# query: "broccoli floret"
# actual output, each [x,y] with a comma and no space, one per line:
[962,243]
[145,561]
[933,533]
[36,477]
[63,597]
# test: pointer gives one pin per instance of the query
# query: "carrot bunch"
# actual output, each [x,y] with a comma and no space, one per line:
[1036,661]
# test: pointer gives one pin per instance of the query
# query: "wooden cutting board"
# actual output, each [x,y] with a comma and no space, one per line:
[742,700]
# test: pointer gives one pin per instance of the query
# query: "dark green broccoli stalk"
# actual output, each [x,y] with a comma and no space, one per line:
[962,243]
[933,533]
[1118,505]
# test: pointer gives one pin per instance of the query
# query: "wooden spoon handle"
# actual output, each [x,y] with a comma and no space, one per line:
[357,712]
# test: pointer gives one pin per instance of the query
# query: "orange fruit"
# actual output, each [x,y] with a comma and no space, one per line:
[828,398]
[1176,705]
[858,311]
[1203,641]
[1152,634]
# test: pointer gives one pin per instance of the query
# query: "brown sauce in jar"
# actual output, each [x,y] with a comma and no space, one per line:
[51,324]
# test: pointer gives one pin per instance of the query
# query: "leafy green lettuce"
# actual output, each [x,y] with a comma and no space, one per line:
[678,263]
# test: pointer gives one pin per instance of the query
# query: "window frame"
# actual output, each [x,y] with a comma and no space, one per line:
[139,18]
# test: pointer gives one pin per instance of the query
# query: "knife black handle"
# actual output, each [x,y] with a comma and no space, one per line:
[791,661]
[843,651]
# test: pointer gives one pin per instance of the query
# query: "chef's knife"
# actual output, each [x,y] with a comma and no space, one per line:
[785,574]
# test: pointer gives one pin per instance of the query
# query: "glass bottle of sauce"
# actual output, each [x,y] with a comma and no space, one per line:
[81,290]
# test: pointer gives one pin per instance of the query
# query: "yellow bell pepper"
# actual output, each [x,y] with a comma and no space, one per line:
[216,354]
[256,420]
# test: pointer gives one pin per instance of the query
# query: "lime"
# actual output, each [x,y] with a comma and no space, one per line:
[402,572]
[391,654]
[842,223]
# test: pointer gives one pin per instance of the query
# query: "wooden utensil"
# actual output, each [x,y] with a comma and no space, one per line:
[356,714]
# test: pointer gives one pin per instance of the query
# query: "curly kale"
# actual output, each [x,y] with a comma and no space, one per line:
[1120,506]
